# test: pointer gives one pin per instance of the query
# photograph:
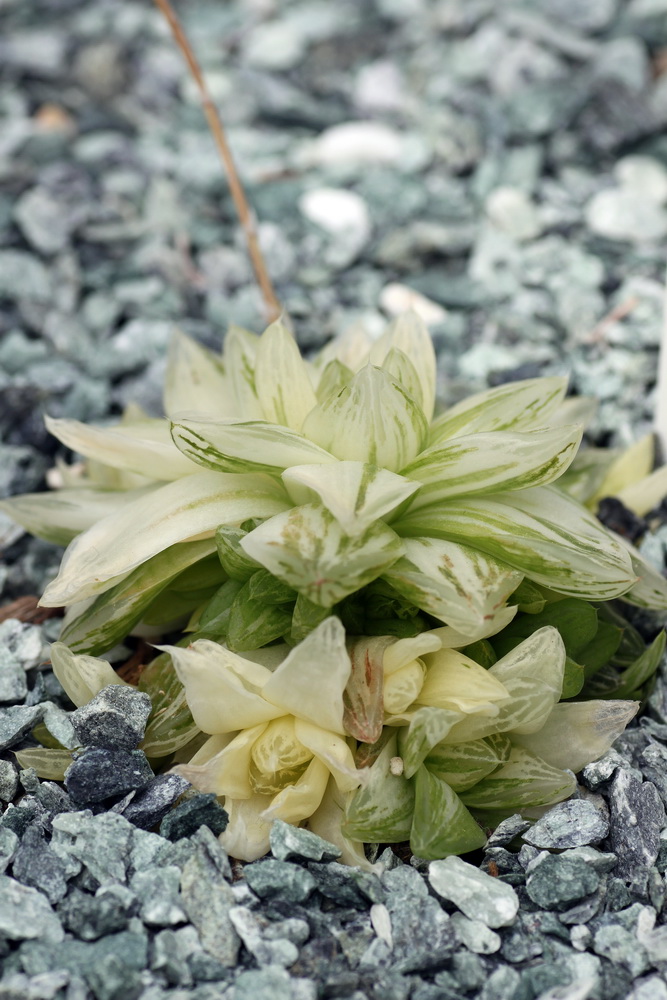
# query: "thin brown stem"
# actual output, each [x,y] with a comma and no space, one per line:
[271,303]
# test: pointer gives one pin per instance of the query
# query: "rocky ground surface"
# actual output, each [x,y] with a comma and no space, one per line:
[503,167]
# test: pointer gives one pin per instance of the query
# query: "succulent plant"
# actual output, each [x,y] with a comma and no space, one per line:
[412,594]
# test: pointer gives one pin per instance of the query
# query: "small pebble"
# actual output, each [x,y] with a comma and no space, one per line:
[477,895]
[574,823]
[98,774]
[114,719]
[556,882]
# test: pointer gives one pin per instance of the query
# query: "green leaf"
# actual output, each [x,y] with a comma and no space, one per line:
[372,419]
[195,380]
[524,781]
[578,732]
[178,512]
[305,617]
[213,621]
[487,463]
[516,406]
[356,494]
[573,678]
[650,591]
[236,564]
[381,811]
[245,445]
[50,765]
[170,724]
[60,516]
[542,533]
[442,825]
[462,765]
[453,582]
[281,379]
[481,652]
[144,447]
[528,597]
[428,727]
[306,548]
[254,623]
[113,614]
[632,679]
[576,620]
[262,586]
[600,649]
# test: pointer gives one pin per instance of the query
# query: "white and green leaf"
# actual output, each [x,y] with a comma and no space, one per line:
[428,727]
[462,765]
[487,463]
[145,448]
[60,516]
[579,732]
[650,590]
[524,781]
[245,446]
[307,549]
[180,511]
[82,677]
[541,532]
[357,494]
[409,334]
[453,582]
[195,380]
[532,673]
[441,824]
[381,811]
[372,419]
[455,682]
[281,379]
[515,406]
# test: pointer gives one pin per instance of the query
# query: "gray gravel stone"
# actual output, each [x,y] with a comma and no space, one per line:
[556,882]
[8,780]
[114,719]
[569,824]
[157,890]
[279,879]
[26,914]
[292,842]
[477,895]
[637,817]
[207,900]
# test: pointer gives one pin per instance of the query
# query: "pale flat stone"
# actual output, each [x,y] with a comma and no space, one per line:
[479,896]
[396,299]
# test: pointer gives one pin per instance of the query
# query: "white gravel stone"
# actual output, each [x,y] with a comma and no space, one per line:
[514,213]
[479,896]
[396,299]
[621,214]
[643,175]
[336,210]
[366,142]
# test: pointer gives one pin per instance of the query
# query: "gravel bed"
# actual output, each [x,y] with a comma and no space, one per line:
[504,168]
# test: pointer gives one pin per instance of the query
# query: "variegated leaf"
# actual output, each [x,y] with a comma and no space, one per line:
[441,824]
[381,811]
[281,379]
[307,549]
[462,765]
[50,764]
[195,380]
[82,677]
[326,822]
[628,469]
[428,727]
[170,725]
[180,511]
[112,615]
[487,463]
[351,348]
[300,799]
[239,359]
[455,682]
[525,781]
[516,406]
[541,532]
[399,366]
[579,732]
[245,445]
[60,516]
[582,480]
[453,582]
[332,379]
[409,333]
[145,448]
[650,590]
[451,638]
[357,494]
[372,419]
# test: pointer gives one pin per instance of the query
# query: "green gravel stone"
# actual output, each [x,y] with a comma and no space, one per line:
[556,882]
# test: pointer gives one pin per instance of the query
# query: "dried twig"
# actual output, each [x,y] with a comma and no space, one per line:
[27,609]
[660,424]
[271,303]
